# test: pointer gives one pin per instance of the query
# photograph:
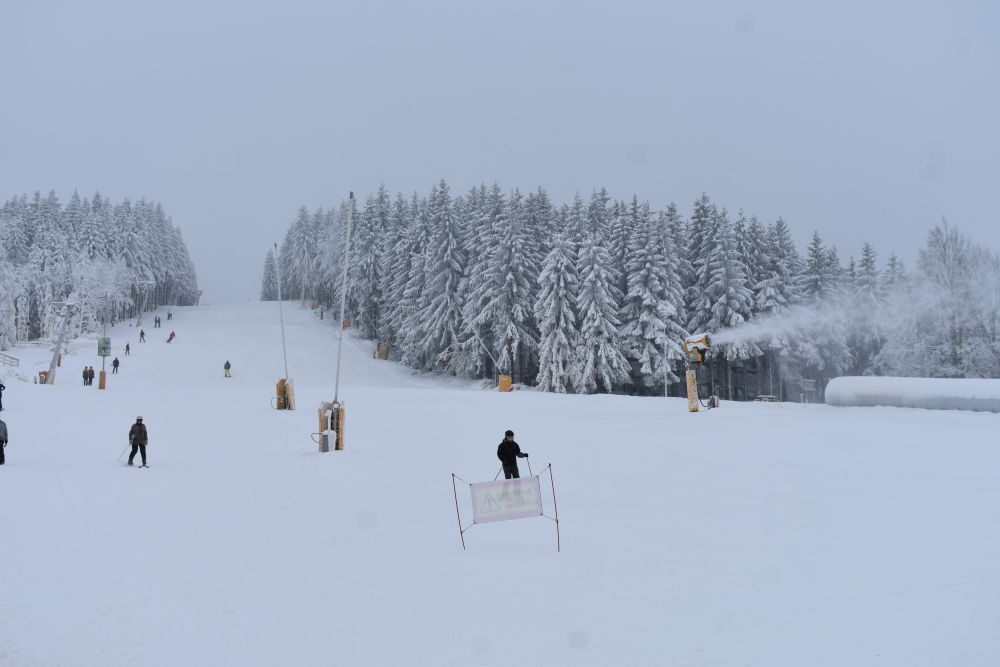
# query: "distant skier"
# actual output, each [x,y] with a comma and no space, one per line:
[127,348]
[509,452]
[114,365]
[1,394]
[226,368]
[142,336]
[156,322]
[170,315]
[138,438]
[3,439]
[171,336]
[86,375]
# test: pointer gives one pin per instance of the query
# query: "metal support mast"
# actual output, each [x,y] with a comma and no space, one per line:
[281,314]
[343,291]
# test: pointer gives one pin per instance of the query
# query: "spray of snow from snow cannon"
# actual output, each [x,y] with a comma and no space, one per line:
[779,329]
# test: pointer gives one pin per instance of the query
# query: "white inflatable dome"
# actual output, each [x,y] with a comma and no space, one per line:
[929,393]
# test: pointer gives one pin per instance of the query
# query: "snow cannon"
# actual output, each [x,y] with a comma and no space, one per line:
[695,348]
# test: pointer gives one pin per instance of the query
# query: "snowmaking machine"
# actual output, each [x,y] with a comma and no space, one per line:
[695,349]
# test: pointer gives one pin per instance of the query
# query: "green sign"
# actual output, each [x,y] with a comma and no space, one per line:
[103,346]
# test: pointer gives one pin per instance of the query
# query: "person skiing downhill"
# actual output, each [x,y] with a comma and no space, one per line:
[509,452]
[114,365]
[3,439]
[226,368]
[142,336]
[138,438]
[171,336]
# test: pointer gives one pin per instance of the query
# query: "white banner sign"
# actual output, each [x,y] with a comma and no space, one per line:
[506,499]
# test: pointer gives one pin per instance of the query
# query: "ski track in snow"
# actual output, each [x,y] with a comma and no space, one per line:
[757,534]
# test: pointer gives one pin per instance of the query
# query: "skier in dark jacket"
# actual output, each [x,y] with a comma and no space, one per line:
[171,337]
[509,452]
[127,348]
[142,336]
[226,368]
[114,365]
[1,395]
[138,438]
[3,439]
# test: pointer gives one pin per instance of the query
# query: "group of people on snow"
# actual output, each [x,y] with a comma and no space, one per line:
[508,451]
[157,321]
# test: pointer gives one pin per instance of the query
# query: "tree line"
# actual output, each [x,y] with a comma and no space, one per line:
[107,259]
[598,296]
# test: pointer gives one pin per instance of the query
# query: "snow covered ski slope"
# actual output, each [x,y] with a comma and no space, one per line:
[756,534]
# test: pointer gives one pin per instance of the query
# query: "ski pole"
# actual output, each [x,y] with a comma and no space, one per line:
[528,459]
[498,474]
[123,453]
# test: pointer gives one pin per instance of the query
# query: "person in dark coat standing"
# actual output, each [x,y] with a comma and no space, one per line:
[114,365]
[226,368]
[3,439]
[142,336]
[138,438]
[86,375]
[1,395]
[127,348]
[509,452]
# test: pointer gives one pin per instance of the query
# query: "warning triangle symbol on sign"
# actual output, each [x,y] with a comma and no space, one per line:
[490,505]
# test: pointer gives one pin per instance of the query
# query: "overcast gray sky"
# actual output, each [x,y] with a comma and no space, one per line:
[864,120]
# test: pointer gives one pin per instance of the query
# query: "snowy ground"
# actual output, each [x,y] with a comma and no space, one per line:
[757,534]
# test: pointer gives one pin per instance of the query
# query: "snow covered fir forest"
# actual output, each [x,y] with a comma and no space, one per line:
[109,259]
[597,296]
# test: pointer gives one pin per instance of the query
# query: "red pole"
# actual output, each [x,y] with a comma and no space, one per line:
[555,505]
[458,514]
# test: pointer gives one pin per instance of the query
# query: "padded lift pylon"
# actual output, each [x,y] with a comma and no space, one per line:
[695,348]
[331,423]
